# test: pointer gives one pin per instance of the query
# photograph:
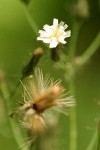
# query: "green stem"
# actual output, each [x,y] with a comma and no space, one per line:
[73,118]
[92,142]
[71,71]
[30,20]
[15,129]
[90,50]
[74,37]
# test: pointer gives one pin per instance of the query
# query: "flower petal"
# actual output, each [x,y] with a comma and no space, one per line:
[53,42]
[55,22]
[61,23]
[65,26]
[68,33]
[61,40]
[46,40]
[46,27]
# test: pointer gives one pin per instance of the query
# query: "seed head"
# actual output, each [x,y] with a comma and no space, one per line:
[40,94]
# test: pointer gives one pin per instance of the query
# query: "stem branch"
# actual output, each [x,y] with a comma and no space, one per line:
[30,20]
[90,50]
[74,37]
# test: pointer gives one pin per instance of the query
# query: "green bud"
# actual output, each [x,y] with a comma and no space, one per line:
[81,9]
[29,68]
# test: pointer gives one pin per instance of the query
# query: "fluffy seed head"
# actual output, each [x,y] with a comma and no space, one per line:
[47,99]
[40,94]
[43,93]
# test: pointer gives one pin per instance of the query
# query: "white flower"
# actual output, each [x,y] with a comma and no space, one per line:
[54,34]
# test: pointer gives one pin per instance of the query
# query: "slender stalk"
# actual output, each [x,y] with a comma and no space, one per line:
[90,50]
[30,20]
[15,129]
[74,37]
[71,71]
[73,113]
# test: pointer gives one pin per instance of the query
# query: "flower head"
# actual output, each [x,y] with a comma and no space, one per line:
[44,93]
[40,94]
[54,34]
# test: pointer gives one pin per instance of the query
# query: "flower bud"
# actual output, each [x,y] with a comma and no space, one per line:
[81,9]
[29,68]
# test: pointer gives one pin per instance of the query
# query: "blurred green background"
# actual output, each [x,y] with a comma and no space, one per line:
[18,40]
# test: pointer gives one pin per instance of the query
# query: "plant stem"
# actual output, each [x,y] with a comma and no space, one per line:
[71,71]
[15,128]
[32,23]
[74,37]
[90,50]
[73,117]
[30,20]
